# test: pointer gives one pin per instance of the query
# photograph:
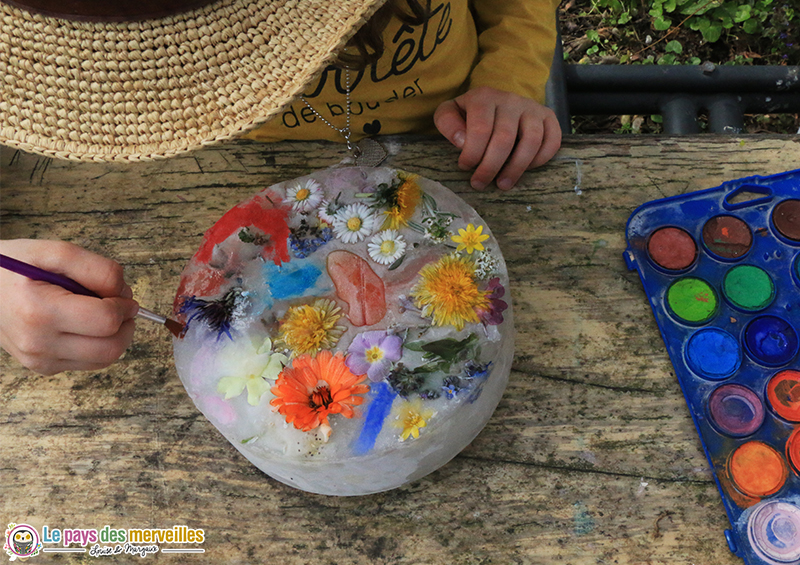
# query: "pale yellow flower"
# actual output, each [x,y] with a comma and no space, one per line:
[254,371]
[410,416]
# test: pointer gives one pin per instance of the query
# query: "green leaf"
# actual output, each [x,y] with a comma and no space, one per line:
[669,6]
[448,349]
[668,59]
[693,61]
[725,15]
[593,35]
[245,236]
[674,46]
[414,345]
[751,26]
[662,24]
[743,13]
[624,18]
[699,24]
[657,118]
[712,33]
[697,8]
[443,366]
[396,264]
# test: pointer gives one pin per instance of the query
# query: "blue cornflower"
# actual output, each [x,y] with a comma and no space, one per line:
[218,314]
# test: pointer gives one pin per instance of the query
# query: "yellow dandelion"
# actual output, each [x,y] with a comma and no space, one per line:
[408,196]
[410,417]
[310,328]
[470,239]
[448,293]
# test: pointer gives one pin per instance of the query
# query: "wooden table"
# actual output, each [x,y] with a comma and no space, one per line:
[591,456]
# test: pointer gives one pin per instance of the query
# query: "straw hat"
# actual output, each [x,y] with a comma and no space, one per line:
[150,88]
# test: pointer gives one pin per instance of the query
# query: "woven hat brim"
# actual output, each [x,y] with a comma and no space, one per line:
[152,89]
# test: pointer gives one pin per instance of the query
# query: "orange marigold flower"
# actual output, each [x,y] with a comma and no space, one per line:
[314,387]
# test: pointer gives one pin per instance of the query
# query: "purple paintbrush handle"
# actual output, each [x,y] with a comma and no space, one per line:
[37,274]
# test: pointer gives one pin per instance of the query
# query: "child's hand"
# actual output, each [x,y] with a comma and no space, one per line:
[500,133]
[49,329]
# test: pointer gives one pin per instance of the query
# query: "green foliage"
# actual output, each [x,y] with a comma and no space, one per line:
[750,22]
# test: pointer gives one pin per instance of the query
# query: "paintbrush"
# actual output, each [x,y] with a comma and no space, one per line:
[37,274]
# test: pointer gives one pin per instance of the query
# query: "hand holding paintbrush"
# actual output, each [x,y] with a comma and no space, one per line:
[73,311]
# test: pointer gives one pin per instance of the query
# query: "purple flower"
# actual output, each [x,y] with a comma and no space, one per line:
[493,315]
[372,353]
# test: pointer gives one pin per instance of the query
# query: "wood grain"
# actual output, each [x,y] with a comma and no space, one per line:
[591,456]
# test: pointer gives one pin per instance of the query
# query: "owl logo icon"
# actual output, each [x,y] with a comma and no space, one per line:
[22,541]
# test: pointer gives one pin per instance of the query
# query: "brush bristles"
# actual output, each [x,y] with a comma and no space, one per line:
[175,327]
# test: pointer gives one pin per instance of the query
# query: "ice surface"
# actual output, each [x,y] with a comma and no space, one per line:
[238,291]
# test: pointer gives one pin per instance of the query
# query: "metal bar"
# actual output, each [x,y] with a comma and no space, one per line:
[555,90]
[725,115]
[680,115]
[632,102]
[705,78]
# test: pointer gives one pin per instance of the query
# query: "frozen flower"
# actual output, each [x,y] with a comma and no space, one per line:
[304,196]
[314,388]
[451,386]
[476,371]
[353,223]
[492,313]
[372,353]
[410,416]
[386,247]
[470,239]
[218,314]
[254,370]
[476,374]
[327,209]
[306,239]
[404,381]
[309,328]
[400,198]
[448,293]
[486,264]
[436,227]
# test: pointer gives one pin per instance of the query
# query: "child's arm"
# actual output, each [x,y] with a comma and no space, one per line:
[49,329]
[500,123]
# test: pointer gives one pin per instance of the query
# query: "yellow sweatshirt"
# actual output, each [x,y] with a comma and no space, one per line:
[505,44]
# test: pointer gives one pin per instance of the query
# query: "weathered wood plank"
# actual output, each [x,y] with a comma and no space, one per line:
[591,456]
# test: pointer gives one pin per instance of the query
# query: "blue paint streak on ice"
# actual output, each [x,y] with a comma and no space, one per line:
[291,280]
[381,397]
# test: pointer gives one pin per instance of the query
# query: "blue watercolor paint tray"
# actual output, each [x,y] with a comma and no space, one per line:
[721,269]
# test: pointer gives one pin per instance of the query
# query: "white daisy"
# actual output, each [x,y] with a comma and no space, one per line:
[386,247]
[305,196]
[353,223]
